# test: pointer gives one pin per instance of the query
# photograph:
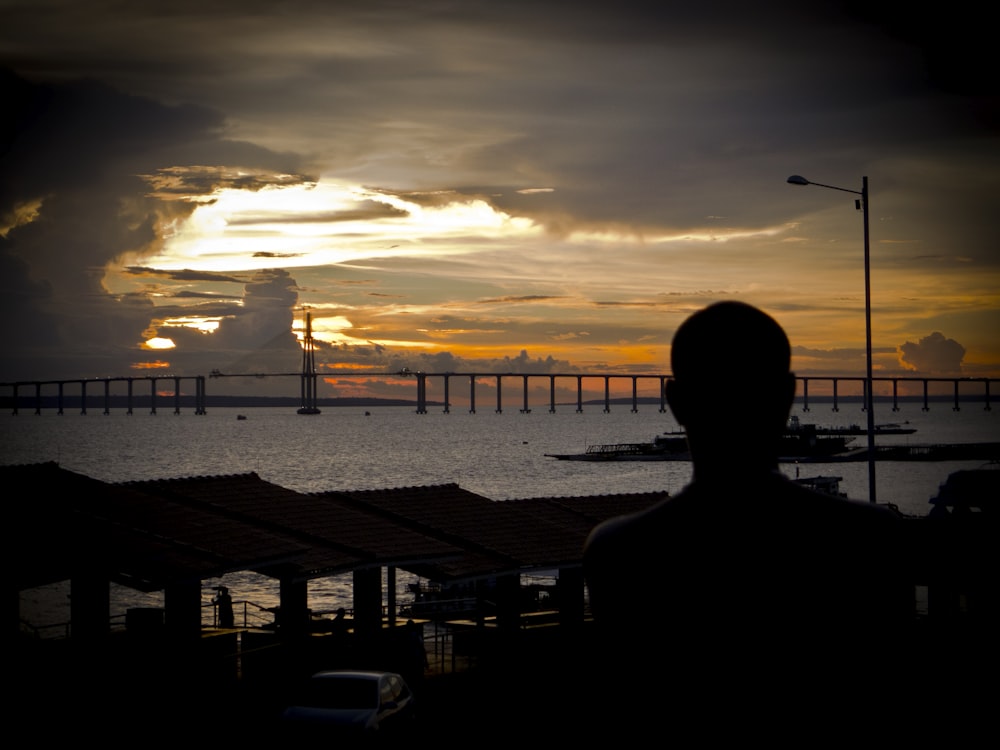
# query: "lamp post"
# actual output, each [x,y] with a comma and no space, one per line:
[861,203]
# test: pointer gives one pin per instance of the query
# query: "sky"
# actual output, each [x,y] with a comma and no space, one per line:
[502,186]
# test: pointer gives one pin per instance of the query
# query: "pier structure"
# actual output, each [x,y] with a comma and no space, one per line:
[39,398]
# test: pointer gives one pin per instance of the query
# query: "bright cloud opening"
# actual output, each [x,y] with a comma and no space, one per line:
[158,342]
[325,224]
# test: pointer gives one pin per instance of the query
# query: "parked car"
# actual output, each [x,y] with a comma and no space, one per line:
[351,701]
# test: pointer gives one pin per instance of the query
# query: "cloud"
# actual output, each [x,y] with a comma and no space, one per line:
[183,182]
[519,298]
[183,274]
[259,329]
[73,200]
[386,359]
[933,354]
[620,165]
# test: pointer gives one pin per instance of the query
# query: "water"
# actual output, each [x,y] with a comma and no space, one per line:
[501,456]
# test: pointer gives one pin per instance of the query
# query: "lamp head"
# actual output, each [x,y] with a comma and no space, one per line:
[798,180]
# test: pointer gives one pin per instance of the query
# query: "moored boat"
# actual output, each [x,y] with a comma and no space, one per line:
[658,450]
[672,446]
[795,426]
[826,484]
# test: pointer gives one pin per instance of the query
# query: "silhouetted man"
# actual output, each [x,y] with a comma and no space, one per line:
[745,597]
[224,602]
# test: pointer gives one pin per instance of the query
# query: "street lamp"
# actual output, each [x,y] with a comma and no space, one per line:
[861,203]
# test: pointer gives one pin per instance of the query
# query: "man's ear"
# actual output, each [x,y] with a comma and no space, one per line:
[676,399]
[790,385]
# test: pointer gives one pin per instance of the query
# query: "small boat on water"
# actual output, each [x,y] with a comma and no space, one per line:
[825,484]
[795,426]
[797,444]
[663,448]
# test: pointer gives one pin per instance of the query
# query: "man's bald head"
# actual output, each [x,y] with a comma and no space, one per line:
[731,353]
[730,339]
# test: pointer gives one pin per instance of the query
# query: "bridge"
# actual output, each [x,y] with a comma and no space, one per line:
[82,383]
[421,378]
[959,388]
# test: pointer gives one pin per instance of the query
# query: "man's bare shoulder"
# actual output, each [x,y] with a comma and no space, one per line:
[771,503]
[629,530]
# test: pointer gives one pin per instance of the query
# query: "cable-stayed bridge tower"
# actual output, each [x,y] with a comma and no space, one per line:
[308,371]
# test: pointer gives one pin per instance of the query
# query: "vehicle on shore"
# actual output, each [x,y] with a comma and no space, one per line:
[350,702]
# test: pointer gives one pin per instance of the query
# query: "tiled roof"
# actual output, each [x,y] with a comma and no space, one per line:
[150,533]
[340,537]
[62,522]
[542,533]
[584,512]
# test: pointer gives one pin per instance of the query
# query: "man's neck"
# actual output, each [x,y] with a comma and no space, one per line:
[730,466]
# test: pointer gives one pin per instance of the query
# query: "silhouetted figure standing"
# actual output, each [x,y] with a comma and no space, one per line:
[224,603]
[413,656]
[746,597]
[339,625]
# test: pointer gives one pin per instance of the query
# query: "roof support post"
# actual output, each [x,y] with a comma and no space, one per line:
[368,601]
[293,613]
[569,596]
[182,610]
[90,604]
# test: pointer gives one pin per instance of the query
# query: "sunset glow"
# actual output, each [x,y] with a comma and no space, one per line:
[160,343]
[449,193]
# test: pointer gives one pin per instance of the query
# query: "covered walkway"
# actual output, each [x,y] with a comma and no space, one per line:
[171,534]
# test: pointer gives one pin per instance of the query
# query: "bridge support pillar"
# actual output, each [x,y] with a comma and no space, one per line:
[421,393]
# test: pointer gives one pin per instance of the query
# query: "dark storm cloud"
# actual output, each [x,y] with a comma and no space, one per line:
[524,90]
[268,311]
[933,354]
[254,338]
[200,179]
[75,152]
[634,119]
[21,297]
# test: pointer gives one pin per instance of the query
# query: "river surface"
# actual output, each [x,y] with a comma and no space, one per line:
[499,455]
